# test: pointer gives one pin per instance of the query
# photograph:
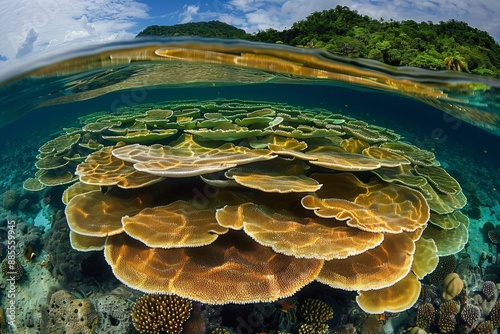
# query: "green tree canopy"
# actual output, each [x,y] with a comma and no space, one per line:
[203,29]
[452,44]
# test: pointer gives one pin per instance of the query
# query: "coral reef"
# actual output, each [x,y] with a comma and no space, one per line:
[372,326]
[452,286]
[315,314]
[470,315]
[485,328]
[114,314]
[446,265]
[12,268]
[24,204]
[494,236]
[313,328]
[66,262]
[344,205]
[220,330]
[153,314]
[10,199]
[469,271]
[261,138]
[220,202]
[426,314]
[315,311]
[70,315]
[495,314]
[447,316]
[489,290]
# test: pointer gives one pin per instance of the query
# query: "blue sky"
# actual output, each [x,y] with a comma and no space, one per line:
[35,26]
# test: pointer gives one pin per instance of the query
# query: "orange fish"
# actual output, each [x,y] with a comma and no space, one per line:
[286,305]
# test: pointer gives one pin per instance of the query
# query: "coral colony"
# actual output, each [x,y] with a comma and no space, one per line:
[231,201]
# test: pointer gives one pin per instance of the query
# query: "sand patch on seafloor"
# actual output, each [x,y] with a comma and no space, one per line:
[30,296]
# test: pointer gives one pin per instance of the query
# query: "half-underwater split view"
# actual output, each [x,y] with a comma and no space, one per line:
[173,183]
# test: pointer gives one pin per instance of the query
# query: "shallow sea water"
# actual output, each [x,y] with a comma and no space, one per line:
[454,116]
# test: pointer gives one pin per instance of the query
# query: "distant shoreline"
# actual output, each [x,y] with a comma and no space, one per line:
[450,45]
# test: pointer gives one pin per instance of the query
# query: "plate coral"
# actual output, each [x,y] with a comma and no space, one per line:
[229,201]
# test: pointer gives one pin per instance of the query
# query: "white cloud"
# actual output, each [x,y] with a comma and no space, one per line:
[75,34]
[58,22]
[86,25]
[255,15]
[86,30]
[188,13]
[236,21]
[241,5]
[262,20]
[27,45]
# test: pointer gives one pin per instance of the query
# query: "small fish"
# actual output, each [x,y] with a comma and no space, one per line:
[285,305]
[386,316]
[29,254]
[44,263]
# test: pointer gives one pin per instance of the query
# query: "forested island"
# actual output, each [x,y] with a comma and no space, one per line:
[203,29]
[452,45]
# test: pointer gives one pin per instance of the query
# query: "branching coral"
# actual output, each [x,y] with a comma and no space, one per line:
[494,236]
[495,314]
[470,314]
[426,314]
[239,201]
[313,328]
[485,328]
[220,330]
[448,316]
[315,311]
[489,290]
[155,314]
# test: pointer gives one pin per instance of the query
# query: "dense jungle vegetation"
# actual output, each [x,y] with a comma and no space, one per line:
[203,29]
[452,45]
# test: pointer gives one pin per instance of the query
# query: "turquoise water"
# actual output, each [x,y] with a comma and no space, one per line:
[453,116]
